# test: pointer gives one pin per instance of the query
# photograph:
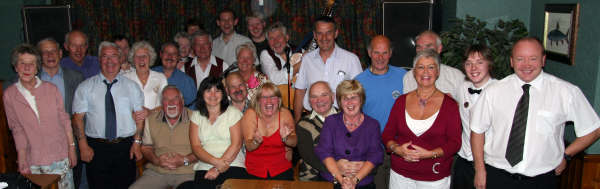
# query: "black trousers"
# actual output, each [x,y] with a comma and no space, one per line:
[462,174]
[200,182]
[111,166]
[286,175]
[501,179]
[368,186]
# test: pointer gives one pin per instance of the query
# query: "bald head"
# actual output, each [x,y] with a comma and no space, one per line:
[380,51]
[320,97]
[76,43]
[429,40]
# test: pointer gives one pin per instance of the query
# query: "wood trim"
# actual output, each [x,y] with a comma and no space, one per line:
[590,178]
[8,153]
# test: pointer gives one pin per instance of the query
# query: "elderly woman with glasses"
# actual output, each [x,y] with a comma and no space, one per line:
[350,146]
[143,56]
[268,128]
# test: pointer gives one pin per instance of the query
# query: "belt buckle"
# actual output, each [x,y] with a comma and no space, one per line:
[114,141]
[517,176]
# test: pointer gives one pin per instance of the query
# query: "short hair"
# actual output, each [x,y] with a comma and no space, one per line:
[530,39]
[438,40]
[75,31]
[256,98]
[143,45]
[184,115]
[47,39]
[182,35]
[180,96]
[369,47]
[26,49]
[200,33]
[168,43]
[207,84]
[276,26]
[193,22]
[257,15]
[119,37]
[325,19]
[428,53]
[247,45]
[105,44]
[320,82]
[348,87]
[226,10]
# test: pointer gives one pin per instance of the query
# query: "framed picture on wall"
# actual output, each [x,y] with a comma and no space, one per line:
[561,22]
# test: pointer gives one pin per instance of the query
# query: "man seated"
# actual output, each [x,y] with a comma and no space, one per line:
[237,90]
[166,144]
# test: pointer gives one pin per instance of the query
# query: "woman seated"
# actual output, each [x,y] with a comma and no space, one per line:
[38,121]
[423,131]
[268,129]
[216,136]
[350,146]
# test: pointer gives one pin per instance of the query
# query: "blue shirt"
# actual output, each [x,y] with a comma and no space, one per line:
[57,80]
[89,99]
[90,66]
[183,82]
[381,92]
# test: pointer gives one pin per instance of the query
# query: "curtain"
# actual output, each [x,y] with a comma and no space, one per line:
[157,21]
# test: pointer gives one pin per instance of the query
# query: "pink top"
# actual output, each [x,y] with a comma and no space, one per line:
[44,140]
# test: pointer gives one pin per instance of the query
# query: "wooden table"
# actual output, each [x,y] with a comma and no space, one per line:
[45,181]
[273,184]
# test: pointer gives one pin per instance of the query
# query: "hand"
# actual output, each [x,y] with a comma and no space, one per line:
[86,152]
[284,131]
[405,153]
[561,167]
[165,161]
[479,180]
[421,153]
[211,174]
[221,164]
[72,157]
[140,115]
[345,167]
[23,167]
[257,136]
[355,166]
[348,183]
[135,151]
[177,159]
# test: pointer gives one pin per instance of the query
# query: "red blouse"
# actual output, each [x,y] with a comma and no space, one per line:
[268,158]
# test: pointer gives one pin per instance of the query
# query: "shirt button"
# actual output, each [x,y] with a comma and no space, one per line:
[347,152]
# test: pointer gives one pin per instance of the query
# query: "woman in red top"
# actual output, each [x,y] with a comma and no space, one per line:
[423,131]
[268,128]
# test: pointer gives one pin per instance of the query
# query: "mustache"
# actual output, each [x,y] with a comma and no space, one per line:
[239,92]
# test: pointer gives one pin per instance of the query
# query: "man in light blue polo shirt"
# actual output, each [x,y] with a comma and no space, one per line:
[169,54]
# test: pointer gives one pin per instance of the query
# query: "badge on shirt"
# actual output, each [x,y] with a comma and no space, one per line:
[466,104]
[396,94]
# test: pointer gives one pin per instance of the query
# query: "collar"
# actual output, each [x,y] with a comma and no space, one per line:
[20,86]
[314,114]
[102,77]
[333,54]
[234,35]
[484,85]
[212,60]
[59,73]
[536,83]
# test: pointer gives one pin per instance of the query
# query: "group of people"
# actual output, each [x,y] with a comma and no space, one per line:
[214,110]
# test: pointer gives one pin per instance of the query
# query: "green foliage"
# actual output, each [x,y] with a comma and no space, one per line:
[471,30]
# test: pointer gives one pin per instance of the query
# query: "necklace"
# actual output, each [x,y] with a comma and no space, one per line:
[352,123]
[423,102]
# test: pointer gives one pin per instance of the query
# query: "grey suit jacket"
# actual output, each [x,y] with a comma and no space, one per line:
[71,78]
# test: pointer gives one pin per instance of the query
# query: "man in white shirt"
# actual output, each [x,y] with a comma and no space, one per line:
[328,63]
[224,45]
[518,123]
[450,78]
[477,65]
[205,64]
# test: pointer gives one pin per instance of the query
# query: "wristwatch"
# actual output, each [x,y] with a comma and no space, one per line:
[186,162]
[567,157]
[138,141]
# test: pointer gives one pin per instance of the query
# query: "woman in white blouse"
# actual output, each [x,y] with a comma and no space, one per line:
[143,56]
[216,136]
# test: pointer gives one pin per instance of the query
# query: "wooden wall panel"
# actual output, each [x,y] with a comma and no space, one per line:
[8,153]
[590,178]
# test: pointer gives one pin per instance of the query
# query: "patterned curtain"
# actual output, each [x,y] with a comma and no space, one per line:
[157,21]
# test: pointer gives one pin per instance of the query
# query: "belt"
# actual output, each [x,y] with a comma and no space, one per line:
[113,141]
[517,176]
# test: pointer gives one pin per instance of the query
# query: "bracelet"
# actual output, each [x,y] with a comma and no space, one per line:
[392,148]
[137,141]
[254,142]
[72,144]
[335,181]
[284,139]
[357,180]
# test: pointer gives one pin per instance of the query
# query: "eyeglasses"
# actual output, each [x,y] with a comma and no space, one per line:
[269,98]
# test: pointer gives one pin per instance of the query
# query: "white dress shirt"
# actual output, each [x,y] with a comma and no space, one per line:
[226,50]
[552,102]
[466,101]
[156,82]
[450,79]
[201,74]
[278,77]
[341,65]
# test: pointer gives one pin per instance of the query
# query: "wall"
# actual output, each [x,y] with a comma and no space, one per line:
[492,11]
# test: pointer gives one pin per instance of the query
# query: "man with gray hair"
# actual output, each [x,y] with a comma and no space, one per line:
[450,78]
[76,43]
[110,139]
[166,144]
[205,64]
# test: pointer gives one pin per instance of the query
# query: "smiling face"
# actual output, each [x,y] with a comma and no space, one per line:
[426,71]
[278,41]
[325,34]
[172,103]
[269,102]
[477,69]
[227,22]
[428,41]
[320,98]
[109,61]
[169,57]
[256,27]
[527,60]
[236,88]
[351,104]
[51,54]
[212,96]
[184,47]
[26,67]
[202,47]
[245,60]
[141,59]
[77,46]
[380,54]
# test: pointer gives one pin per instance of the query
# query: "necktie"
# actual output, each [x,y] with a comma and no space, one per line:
[110,131]
[473,91]
[516,140]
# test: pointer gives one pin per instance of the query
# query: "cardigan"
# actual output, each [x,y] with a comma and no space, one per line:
[444,133]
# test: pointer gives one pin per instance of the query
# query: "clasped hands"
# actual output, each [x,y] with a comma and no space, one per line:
[349,169]
[171,160]
[220,165]
[411,153]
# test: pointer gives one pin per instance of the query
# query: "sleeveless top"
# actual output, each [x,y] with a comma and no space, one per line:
[269,158]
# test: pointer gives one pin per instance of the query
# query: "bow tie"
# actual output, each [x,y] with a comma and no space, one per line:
[473,91]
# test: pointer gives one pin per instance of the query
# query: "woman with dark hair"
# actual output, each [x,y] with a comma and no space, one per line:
[268,129]
[216,136]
